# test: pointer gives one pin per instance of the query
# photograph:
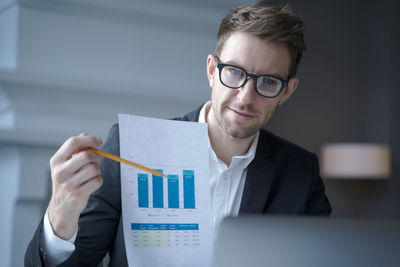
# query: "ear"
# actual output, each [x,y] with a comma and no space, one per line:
[211,63]
[291,87]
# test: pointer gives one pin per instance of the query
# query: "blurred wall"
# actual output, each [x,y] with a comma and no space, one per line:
[70,66]
[346,94]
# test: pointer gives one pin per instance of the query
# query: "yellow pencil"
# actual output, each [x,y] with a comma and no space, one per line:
[116,158]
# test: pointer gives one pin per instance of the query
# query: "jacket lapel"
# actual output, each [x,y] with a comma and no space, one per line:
[260,174]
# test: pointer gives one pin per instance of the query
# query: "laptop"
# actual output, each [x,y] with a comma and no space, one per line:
[306,242]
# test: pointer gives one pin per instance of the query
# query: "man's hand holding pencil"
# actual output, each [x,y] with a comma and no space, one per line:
[75,175]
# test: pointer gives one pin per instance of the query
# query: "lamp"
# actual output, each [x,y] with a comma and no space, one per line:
[355,161]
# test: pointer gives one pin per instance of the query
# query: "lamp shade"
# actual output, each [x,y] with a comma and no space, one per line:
[355,160]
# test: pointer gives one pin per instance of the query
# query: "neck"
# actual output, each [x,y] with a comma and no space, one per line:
[226,146]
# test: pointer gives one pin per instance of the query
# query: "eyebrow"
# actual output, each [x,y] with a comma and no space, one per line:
[238,65]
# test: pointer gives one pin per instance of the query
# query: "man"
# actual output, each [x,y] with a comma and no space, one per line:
[259,48]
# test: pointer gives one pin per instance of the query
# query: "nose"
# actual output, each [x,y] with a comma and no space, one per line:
[247,92]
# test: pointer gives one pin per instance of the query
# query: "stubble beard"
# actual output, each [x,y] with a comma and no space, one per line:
[236,129]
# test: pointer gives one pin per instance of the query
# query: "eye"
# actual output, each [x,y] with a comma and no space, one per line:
[269,81]
[268,84]
[235,71]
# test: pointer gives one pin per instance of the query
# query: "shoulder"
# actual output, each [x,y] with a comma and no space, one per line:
[191,116]
[114,131]
[282,148]
[111,144]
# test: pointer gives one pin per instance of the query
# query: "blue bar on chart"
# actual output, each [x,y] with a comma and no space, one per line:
[188,189]
[143,190]
[173,191]
[158,192]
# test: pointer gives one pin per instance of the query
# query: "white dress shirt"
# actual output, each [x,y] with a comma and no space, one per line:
[226,182]
[226,185]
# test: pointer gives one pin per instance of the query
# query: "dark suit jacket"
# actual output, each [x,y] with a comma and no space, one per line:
[282,179]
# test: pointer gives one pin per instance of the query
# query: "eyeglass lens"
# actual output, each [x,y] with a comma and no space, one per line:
[235,77]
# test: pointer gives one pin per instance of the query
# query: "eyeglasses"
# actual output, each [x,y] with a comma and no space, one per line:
[265,85]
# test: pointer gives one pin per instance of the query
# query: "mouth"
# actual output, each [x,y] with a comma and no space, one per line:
[242,115]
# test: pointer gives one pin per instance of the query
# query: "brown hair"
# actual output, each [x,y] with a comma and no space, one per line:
[268,22]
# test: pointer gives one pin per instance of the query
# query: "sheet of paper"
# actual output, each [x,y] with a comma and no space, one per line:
[167,220]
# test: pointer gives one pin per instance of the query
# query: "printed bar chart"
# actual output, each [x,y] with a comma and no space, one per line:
[179,191]
[143,189]
[173,191]
[188,189]
[158,191]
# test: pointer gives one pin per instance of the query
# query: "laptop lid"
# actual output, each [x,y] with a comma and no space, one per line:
[306,242]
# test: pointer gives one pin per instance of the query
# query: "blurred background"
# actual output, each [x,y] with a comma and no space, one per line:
[70,66]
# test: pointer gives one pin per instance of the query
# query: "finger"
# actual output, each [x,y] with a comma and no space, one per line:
[86,173]
[89,187]
[74,145]
[75,163]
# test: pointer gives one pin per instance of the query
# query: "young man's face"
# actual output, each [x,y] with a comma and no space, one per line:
[240,113]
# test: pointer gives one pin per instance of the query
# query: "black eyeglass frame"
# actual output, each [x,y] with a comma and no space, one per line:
[255,77]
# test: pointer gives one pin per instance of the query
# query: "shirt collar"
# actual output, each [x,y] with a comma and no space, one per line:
[204,110]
